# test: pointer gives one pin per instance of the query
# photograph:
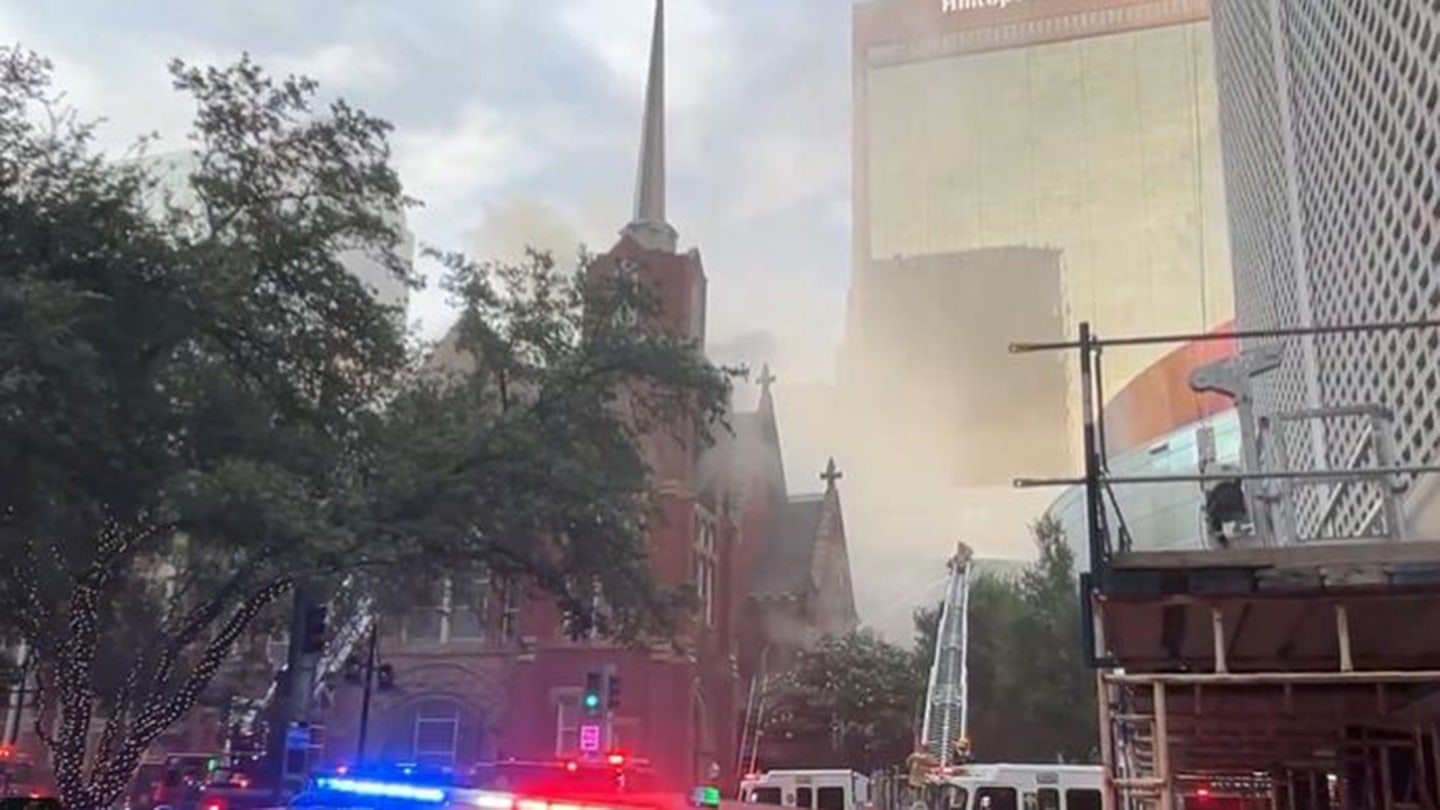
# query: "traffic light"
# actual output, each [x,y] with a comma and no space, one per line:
[354,671]
[385,676]
[312,637]
[612,692]
[591,699]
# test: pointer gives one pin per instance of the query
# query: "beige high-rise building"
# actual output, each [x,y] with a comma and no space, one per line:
[1020,166]
[1088,127]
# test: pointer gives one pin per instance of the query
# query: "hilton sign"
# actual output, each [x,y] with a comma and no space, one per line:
[952,6]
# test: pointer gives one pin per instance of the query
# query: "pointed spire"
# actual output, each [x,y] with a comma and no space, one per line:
[649,227]
[831,475]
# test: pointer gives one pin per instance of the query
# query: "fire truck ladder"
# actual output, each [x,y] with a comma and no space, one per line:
[347,636]
[946,702]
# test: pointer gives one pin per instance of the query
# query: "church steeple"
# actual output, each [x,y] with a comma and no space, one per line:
[649,227]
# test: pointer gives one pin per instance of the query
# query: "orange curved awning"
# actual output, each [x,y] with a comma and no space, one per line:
[1160,401]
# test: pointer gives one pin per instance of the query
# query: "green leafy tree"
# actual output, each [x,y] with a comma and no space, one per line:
[848,703]
[201,408]
[538,431]
[1059,697]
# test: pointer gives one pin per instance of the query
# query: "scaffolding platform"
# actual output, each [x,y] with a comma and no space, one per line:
[1317,673]
[1291,609]
[1293,663]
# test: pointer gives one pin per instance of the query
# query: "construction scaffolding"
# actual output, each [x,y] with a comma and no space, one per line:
[1275,665]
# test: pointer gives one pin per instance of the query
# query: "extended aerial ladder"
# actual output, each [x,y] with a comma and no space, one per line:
[349,634]
[944,732]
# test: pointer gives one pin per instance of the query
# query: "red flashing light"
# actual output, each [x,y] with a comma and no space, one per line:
[341,769]
[6,751]
[572,766]
[214,806]
[616,759]
[1203,792]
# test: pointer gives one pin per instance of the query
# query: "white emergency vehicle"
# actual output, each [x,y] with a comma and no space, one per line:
[811,789]
[1019,787]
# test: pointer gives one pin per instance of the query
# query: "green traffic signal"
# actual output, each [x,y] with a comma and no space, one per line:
[593,687]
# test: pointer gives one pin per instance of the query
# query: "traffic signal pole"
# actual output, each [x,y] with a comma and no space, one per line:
[293,685]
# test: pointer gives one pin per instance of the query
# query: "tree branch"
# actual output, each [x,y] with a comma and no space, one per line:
[77,700]
[119,716]
[200,617]
[160,712]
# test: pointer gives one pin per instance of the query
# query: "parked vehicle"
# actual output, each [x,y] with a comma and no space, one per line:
[815,789]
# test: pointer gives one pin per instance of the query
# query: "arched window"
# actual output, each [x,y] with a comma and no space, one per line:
[437,732]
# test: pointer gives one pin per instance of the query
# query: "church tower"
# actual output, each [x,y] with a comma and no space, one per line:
[648,250]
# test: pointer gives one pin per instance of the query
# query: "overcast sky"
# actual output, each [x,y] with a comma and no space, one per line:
[518,121]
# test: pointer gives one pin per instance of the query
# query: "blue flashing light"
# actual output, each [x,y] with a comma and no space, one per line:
[382,790]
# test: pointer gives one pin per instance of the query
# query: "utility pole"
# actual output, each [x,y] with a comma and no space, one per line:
[369,686]
[14,718]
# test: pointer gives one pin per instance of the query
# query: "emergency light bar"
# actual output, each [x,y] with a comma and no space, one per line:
[381,790]
[489,800]
[353,785]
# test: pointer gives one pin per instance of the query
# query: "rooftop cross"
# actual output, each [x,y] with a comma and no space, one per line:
[831,475]
[766,378]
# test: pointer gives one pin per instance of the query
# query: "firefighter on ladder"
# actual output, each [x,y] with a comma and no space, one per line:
[962,750]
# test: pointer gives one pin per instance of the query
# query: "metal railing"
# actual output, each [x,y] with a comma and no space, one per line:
[1097,479]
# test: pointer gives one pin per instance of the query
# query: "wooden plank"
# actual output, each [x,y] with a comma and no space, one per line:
[1274,678]
[1302,556]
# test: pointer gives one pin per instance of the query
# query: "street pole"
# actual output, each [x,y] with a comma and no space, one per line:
[369,685]
[14,718]
[292,690]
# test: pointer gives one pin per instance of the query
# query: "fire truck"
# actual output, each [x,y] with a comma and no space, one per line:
[19,776]
[614,782]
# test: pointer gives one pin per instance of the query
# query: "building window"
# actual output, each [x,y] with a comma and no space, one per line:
[510,593]
[567,724]
[456,612]
[706,561]
[598,608]
[627,277]
[437,731]
[467,604]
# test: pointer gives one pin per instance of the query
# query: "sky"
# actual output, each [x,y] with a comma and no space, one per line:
[517,121]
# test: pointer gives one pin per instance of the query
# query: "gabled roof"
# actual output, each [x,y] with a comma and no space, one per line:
[787,561]
[747,454]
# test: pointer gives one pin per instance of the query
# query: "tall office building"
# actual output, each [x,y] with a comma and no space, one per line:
[1084,126]
[1018,167]
[1331,114]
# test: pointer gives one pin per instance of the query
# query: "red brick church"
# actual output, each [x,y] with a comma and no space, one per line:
[485,671]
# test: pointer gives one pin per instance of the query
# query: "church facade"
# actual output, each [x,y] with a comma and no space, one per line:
[485,671]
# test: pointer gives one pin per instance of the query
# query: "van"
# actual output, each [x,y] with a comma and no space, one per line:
[1019,787]
[808,789]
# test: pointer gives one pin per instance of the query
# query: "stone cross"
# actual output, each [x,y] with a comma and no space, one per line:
[766,378]
[831,475]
